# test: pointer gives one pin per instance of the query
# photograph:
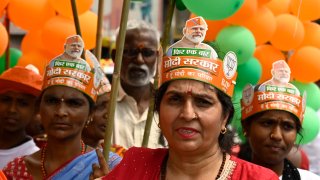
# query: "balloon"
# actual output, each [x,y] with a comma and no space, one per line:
[236,120]
[261,2]
[3,5]
[15,54]
[304,64]
[237,39]
[247,10]
[267,54]
[64,8]
[289,33]
[213,9]
[311,35]
[37,58]
[313,93]
[278,6]
[58,28]
[262,25]
[180,6]
[249,72]
[32,41]
[214,28]
[30,14]
[306,9]
[310,127]
[4,39]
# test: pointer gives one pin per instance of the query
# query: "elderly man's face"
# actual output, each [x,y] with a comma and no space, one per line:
[74,49]
[139,57]
[282,75]
[196,34]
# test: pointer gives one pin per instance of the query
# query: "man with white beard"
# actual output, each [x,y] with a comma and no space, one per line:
[141,50]
[194,33]
[280,77]
[73,49]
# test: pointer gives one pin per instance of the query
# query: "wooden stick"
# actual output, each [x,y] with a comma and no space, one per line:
[7,53]
[76,22]
[164,43]
[116,78]
[97,50]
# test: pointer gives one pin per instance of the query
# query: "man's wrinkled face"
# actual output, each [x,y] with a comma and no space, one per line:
[196,34]
[74,49]
[282,75]
[139,58]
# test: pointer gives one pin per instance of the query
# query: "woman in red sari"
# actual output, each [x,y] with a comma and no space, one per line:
[195,108]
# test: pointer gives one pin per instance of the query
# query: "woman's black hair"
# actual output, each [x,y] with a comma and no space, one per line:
[225,140]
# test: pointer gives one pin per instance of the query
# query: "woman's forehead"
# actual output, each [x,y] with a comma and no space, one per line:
[190,86]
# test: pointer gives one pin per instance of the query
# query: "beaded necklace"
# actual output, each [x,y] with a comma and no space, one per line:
[43,157]
[164,164]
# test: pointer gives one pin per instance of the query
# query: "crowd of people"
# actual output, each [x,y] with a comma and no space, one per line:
[190,136]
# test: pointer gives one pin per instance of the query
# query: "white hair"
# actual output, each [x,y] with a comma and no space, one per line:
[140,24]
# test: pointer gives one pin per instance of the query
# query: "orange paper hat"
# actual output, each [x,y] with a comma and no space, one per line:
[104,87]
[196,21]
[217,73]
[72,73]
[23,79]
[273,95]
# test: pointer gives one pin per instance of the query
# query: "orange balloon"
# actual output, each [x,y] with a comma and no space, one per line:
[262,25]
[58,28]
[278,6]
[3,5]
[64,8]
[4,39]
[32,41]
[267,54]
[39,59]
[29,14]
[306,9]
[304,64]
[261,2]
[247,10]
[311,35]
[289,33]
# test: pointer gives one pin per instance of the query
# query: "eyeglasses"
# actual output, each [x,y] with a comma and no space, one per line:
[145,52]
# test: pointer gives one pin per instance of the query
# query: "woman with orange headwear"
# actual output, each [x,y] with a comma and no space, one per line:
[272,115]
[66,103]
[195,108]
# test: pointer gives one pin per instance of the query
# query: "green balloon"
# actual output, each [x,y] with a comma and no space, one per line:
[313,93]
[213,9]
[249,72]
[15,54]
[237,39]
[180,6]
[310,127]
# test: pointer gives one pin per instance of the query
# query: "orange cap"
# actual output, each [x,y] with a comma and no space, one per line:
[22,79]
[104,87]
[196,21]
[74,39]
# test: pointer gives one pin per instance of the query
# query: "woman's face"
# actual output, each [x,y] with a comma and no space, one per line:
[272,136]
[64,111]
[96,129]
[181,101]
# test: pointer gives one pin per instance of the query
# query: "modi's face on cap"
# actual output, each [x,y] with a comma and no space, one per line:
[74,49]
[196,34]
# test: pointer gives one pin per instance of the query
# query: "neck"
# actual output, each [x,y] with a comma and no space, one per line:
[12,139]
[140,94]
[91,141]
[194,166]
[277,168]
[188,42]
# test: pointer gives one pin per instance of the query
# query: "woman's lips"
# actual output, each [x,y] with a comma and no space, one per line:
[187,133]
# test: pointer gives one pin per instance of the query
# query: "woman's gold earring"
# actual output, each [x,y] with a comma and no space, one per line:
[245,133]
[224,130]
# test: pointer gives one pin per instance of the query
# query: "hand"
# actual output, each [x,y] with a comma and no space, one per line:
[99,171]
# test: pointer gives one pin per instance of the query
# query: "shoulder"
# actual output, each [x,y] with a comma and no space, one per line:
[304,174]
[16,169]
[146,152]
[247,170]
